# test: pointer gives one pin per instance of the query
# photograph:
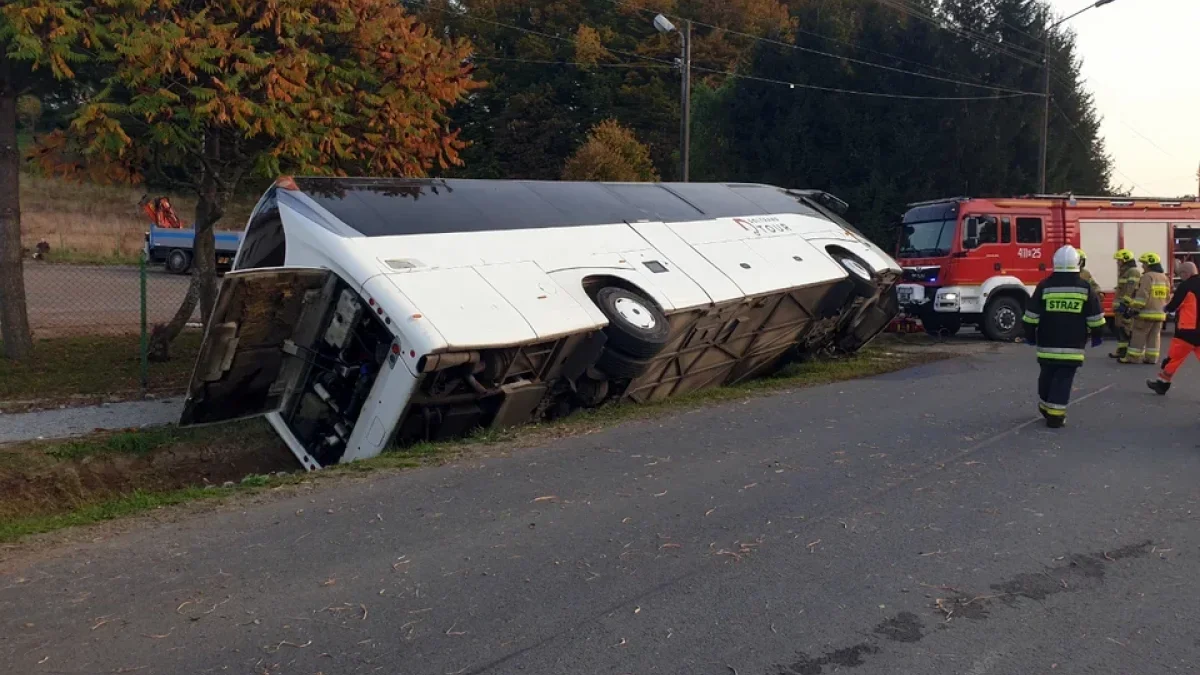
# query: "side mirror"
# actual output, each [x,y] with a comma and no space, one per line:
[834,204]
[971,240]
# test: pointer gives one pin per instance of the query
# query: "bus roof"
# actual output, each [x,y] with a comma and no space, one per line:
[400,206]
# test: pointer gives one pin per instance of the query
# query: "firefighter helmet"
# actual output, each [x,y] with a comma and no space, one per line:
[1150,258]
[1066,259]
[1124,255]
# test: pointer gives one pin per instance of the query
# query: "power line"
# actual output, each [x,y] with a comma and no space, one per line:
[1087,144]
[810,50]
[580,64]
[970,33]
[792,85]
[937,23]
[911,97]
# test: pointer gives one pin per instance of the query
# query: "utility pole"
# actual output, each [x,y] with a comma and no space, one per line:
[663,25]
[1044,144]
[1045,140]
[685,132]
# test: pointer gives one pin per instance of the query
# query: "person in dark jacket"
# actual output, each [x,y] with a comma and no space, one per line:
[1058,318]
[1185,304]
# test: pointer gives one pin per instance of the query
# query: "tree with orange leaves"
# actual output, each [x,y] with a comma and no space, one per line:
[42,43]
[227,89]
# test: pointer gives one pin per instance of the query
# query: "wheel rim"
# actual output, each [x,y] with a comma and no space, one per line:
[634,313]
[176,260]
[856,269]
[1006,319]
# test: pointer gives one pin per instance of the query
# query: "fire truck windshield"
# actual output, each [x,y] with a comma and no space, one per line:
[929,239]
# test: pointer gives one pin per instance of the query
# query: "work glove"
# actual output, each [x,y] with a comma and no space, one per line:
[1097,340]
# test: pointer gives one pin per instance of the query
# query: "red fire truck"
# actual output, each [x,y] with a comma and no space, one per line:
[970,261]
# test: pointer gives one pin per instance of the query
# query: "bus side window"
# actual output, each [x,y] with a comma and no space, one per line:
[1029,230]
[1005,230]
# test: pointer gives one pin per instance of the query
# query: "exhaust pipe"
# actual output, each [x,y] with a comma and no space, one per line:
[432,363]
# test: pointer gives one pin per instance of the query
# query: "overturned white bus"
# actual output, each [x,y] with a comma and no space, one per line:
[364,313]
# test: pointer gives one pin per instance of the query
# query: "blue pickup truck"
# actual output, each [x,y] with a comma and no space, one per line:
[172,247]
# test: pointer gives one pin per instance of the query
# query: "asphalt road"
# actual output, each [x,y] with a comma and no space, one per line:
[919,522]
[73,299]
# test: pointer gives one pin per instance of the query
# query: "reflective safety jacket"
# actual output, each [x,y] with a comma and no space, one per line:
[1150,299]
[1087,276]
[1059,316]
[1127,283]
[1186,306]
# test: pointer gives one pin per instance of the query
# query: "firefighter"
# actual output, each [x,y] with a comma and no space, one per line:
[1058,318]
[1086,275]
[1186,306]
[1151,297]
[1128,277]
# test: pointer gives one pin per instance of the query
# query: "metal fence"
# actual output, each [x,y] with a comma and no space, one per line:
[73,300]
[116,302]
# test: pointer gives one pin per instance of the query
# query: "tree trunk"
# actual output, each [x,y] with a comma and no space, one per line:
[214,194]
[14,319]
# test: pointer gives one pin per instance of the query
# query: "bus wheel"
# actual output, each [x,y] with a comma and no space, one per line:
[1002,319]
[178,261]
[636,327]
[859,272]
[619,366]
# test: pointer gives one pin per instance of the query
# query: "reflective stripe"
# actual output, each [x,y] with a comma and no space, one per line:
[1053,356]
[1136,353]
[1064,296]
[1060,350]
[1153,316]
[1060,411]
[1097,324]
[1051,406]
[1122,345]
[1137,304]
[1066,290]
[1031,317]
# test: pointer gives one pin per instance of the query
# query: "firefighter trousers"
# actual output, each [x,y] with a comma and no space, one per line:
[1123,335]
[1176,355]
[1145,342]
[1054,388]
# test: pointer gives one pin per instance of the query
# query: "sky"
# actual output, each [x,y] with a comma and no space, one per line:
[1140,61]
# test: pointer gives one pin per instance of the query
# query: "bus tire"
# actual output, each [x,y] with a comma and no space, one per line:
[1002,319]
[636,326]
[618,366]
[179,261]
[859,272]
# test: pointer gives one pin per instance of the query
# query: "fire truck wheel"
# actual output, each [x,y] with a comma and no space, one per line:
[1002,319]
[859,271]
[178,261]
[946,326]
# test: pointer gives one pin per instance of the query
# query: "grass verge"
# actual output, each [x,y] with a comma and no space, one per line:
[49,486]
[95,367]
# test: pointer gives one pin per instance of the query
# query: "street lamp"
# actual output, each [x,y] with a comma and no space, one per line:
[663,25]
[1045,142]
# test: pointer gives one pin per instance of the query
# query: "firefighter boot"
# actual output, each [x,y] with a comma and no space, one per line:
[1159,387]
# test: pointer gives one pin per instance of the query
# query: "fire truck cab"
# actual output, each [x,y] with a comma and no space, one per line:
[972,261]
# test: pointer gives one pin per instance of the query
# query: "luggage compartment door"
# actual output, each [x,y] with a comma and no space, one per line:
[256,343]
